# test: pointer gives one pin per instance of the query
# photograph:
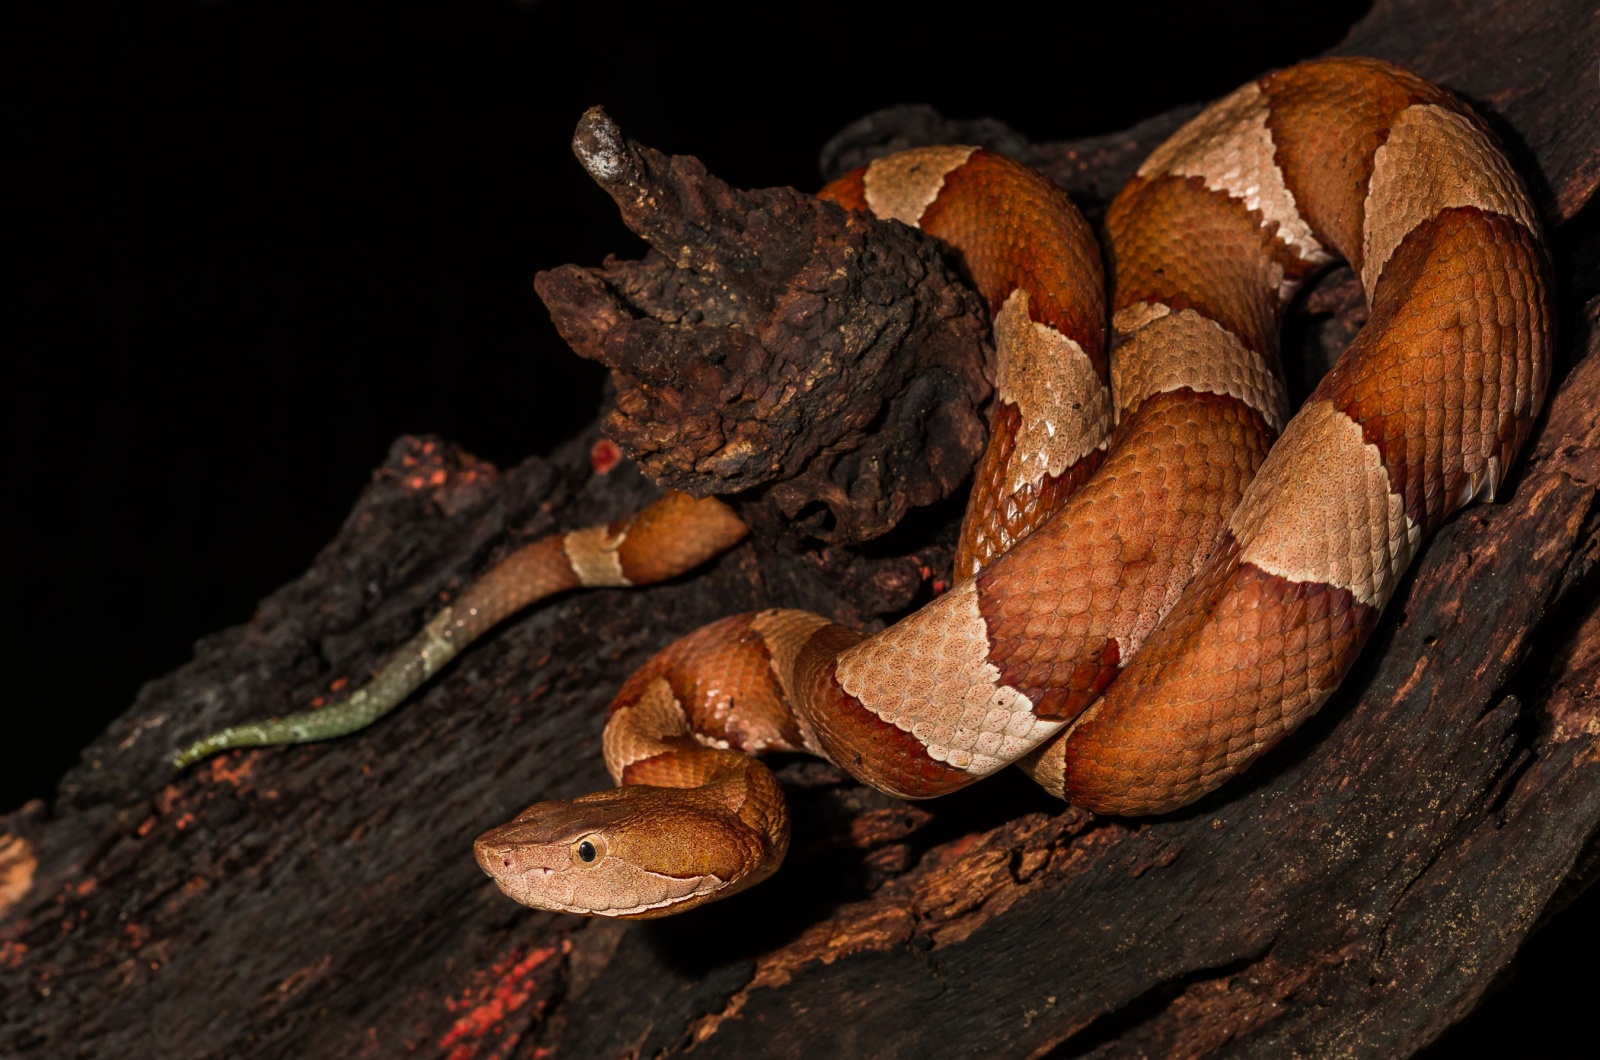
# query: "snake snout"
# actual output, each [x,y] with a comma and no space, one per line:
[549,856]
[513,850]
[492,857]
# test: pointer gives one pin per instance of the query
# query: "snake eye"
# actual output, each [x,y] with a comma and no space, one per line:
[586,850]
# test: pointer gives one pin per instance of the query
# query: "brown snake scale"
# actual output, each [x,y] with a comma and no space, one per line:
[1155,586]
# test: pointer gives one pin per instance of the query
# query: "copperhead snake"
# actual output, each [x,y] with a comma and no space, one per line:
[1161,571]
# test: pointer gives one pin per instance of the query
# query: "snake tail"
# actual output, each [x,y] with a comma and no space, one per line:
[670,536]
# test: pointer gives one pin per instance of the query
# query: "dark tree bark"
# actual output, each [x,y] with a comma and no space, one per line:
[822,369]
[1358,890]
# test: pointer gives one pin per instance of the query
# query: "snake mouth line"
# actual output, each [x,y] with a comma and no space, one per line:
[501,863]
[506,862]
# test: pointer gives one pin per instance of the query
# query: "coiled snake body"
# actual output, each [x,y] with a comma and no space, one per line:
[1153,593]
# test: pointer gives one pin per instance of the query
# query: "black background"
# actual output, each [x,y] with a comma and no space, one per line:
[252,245]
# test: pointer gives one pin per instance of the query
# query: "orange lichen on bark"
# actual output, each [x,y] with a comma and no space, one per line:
[604,455]
[501,990]
[234,771]
[17,865]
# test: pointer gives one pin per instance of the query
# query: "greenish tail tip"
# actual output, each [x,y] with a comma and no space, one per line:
[207,746]
[354,714]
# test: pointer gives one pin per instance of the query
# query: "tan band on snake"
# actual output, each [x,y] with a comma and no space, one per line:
[1224,588]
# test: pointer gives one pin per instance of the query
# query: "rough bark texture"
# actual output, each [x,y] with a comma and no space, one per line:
[822,369]
[1357,891]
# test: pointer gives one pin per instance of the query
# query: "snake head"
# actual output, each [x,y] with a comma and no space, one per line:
[636,851]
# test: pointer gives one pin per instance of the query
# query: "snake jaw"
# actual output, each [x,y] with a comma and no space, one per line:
[650,852]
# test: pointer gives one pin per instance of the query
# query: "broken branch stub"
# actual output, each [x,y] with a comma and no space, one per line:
[825,370]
